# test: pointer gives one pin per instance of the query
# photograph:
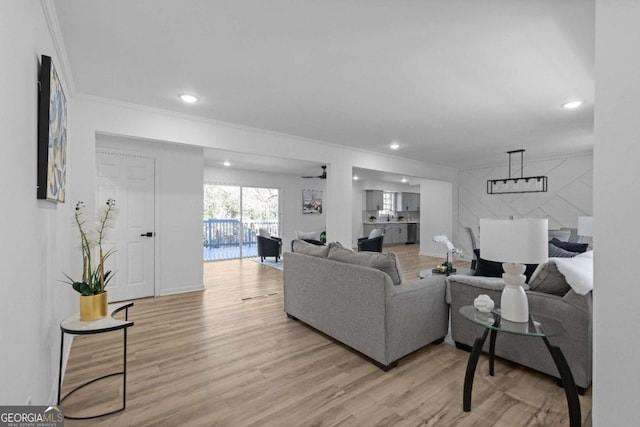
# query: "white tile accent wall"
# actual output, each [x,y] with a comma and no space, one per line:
[569,195]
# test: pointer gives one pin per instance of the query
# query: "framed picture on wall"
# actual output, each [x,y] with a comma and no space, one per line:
[311,201]
[52,135]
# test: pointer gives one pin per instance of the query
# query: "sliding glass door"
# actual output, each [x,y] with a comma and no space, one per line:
[233,216]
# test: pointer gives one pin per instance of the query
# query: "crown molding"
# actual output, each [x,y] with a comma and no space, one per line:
[230,125]
[62,61]
[538,160]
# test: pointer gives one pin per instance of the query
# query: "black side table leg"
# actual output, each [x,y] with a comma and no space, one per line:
[492,350]
[471,370]
[570,389]
[60,367]
[124,371]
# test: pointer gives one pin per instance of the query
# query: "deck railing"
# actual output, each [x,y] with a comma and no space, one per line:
[230,232]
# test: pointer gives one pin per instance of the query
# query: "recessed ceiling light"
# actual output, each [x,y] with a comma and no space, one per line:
[189,99]
[404,179]
[227,163]
[355,177]
[572,104]
[394,146]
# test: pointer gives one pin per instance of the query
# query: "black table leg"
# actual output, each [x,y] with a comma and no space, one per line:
[570,389]
[124,371]
[471,370]
[492,350]
[60,367]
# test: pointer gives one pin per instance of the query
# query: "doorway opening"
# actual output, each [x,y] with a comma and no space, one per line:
[233,216]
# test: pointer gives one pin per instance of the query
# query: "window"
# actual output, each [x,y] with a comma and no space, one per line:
[233,216]
[387,204]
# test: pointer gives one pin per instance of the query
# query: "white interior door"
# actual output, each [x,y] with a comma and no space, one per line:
[130,181]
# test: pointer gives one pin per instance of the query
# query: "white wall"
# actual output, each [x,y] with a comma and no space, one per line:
[179,193]
[616,372]
[436,215]
[569,195]
[35,245]
[137,122]
[291,217]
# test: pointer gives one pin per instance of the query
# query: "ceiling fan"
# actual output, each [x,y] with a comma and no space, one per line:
[323,175]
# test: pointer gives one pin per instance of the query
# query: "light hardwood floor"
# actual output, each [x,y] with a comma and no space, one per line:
[229,356]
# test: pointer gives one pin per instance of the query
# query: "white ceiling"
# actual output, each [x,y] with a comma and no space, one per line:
[455,82]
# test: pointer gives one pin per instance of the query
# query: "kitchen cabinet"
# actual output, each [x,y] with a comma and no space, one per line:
[367,228]
[408,202]
[394,233]
[402,234]
[374,200]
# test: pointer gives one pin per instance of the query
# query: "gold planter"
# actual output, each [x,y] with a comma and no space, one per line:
[93,307]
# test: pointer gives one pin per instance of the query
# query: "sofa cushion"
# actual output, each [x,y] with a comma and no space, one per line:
[386,262]
[571,247]
[556,252]
[548,279]
[302,247]
[488,268]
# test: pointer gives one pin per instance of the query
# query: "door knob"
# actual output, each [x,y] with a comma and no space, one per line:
[147,234]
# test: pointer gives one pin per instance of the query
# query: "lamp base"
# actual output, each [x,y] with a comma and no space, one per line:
[514,305]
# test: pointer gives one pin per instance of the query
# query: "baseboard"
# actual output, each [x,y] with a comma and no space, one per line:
[434,254]
[175,291]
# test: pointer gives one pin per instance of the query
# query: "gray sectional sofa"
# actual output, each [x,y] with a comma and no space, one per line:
[347,296]
[574,311]
[359,300]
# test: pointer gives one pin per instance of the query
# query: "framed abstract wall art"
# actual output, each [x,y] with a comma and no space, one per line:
[52,134]
[311,201]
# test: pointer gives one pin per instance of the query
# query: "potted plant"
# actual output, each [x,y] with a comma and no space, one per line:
[93,296]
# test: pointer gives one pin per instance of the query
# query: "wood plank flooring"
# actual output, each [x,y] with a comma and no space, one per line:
[216,358]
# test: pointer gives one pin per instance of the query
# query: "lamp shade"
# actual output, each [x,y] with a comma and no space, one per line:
[520,241]
[585,226]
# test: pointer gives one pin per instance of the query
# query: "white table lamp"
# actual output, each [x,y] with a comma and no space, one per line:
[514,242]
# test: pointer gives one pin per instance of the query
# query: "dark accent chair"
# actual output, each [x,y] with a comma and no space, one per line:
[269,246]
[474,246]
[366,244]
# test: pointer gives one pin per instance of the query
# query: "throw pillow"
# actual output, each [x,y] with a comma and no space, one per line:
[488,268]
[263,232]
[376,232]
[311,235]
[556,252]
[387,262]
[571,247]
[549,280]
[563,235]
[578,271]
[302,247]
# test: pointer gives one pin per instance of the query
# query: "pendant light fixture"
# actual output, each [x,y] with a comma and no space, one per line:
[522,184]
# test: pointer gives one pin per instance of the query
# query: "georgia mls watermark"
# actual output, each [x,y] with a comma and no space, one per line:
[31,416]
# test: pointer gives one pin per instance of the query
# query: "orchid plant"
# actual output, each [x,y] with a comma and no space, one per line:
[444,240]
[94,277]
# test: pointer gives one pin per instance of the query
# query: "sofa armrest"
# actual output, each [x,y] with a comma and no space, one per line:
[478,282]
[571,310]
[416,315]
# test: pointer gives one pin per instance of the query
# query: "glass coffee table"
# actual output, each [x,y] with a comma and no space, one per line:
[459,270]
[537,326]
